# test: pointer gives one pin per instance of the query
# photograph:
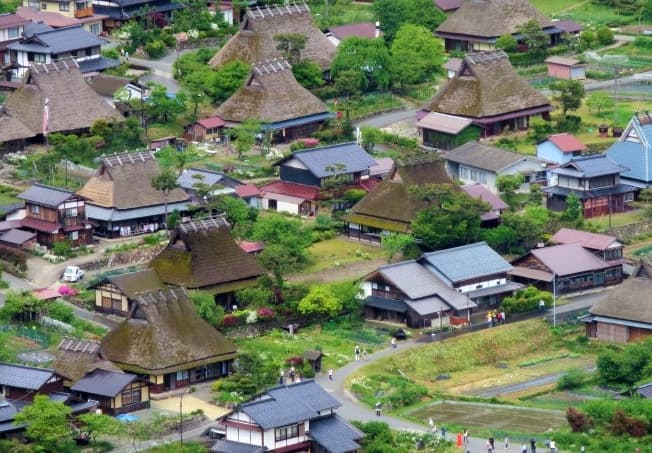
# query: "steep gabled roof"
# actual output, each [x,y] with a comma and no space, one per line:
[271,94]
[46,195]
[134,283]
[634,148]
[124,182]
[72,103]
[204,254]
[491,18]
[486,86]
[11,128]
[322,162]
[254,42]
[589,166]
[75,358]
[485,157]
[164,334]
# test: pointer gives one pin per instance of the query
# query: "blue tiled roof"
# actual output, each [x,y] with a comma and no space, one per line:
[318,160]
[633,156]
[386,304]
[229,446]
[61,40]
[466,262]
[97,64]
[299,121]
[24,377]
[334,434]
[617,189]
[590,166]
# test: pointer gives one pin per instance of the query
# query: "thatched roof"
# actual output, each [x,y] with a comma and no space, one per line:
[254,42]
[164,334]
[486,86]
[271,94]
[389,205]
[133,283]
[72,103]
[491,18]
[124,182]
[631,300]
[75,358]
[11,128]
[202,254]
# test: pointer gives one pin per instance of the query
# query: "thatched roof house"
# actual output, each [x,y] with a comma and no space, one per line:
[488,91]
[75,358]
[202,254]
[254,42]
[12,131]
[626,313]
[121,198]
[389,207]
[477,24]
[164,338]
[72,104]
[273,96]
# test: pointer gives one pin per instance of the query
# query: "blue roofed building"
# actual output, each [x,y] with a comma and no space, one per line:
[634,151]
[121,11]
[595,180]
[293,417]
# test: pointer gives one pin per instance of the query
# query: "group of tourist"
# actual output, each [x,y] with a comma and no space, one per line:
[495,317]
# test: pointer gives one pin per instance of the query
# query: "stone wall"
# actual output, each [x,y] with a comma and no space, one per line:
[633,229]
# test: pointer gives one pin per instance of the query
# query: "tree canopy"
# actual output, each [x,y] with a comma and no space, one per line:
[415,54]
[392,14]
[320,301]
[367,57]
[47,422]
[569,93]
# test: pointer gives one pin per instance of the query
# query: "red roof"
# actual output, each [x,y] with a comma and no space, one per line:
[569,26]
[211,123]
[558,259]
[52,19]
[247,190]
[251,247]
[588,240]
[46,294]
[567,143]
[11,20]
[479,191]
[291,189]
[362,30]
[39,225]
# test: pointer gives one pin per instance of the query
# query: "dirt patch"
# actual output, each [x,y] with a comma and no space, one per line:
[336,274]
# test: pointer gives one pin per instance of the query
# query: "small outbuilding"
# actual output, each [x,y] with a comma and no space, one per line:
[314,358]
[207,129]
[117,392]
[446,132]
[566,68]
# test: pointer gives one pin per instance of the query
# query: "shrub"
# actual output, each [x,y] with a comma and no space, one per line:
[621,424]
[578,420]
[574,378]
[525,300]
[230,321]
[155,49]
[265,313]
[111,53]
[61,312]
[4,284]
[62,248]
[14,257]
[604,35]
[65,290]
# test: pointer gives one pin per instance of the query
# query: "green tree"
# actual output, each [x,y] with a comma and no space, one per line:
[394,243]
[507,186]
[48,422]
[308,74]
[573,213]
[392,14]
[535,197]
[529,225]
[501,238]
[368,57]
[604,35]
[370,136]
[599,102]
[349,84]
[170,158]
[415,54]
[165,182]
[98,425]
[507,43]
[569,93]
[206,307]
[160,106]
[320,301]
[238,213]
[291,45]
[533,36]
[588,39]
[21,306]
[244,135]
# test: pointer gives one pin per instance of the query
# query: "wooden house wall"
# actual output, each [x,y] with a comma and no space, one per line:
[111,292]
[638,334]
[441,140]
[531,262]
[612,332]
[299,176]
[44,213]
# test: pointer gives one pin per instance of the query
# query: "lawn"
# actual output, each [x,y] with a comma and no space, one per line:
[619,219]
[554,7]
[589,14]
[343,13]
[369,104]
[339,252]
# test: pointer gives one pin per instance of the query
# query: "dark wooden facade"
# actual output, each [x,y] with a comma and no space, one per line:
[184,378]
[70,216]
[305,177]
[133,397]
[55,384]
[110,299]
[616,333]
[445,141]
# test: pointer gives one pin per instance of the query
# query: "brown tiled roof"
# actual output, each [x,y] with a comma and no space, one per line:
[164,334]
[254,42]
[449,124]
[73,104]
[477,190]
[486,86]
[558,259]
[124,182]
[567,143]
[491,18]
[270,94]
[53,19]
[204,254]
[593,241]
[11,20]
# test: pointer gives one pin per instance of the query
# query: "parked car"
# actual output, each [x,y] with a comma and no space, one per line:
[72,274]
[400,334]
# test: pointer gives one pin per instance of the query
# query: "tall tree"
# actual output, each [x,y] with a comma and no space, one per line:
[392,244]
[320,301]
[415,54]
[165,182]
[244,135]
[368,57]
[177,160]
[507,186]
[161,106]
[47,421]
[98,424]
[569,93]
[533,36]
[392,14]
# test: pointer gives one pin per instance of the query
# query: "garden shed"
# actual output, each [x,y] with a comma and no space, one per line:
[566,68]
[314,357]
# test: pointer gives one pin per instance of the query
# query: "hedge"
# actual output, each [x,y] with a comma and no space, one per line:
[16,257]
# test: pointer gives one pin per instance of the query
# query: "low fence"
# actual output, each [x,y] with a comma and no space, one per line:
[31,334]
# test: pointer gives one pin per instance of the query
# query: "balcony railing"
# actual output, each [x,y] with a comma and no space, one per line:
[83,12]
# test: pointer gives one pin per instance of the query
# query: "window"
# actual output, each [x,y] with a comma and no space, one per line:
[71,212]
[74,235]
[44,6]
[34,209]
[64,6]
[271,205]
[131,397]
[12,33]
[182,375]
[36,57]
[34,4]
[287,432]
[95,28]
[629,197]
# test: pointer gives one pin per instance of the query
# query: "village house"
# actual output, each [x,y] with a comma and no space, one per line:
[595,180]
[60,44]
[445,132]
[560,148]
[293,417]
[488,91]
[115,392]
[254,42]
[18,239]
[11,30]
[121,199]
[273,96]
[492,217]
[63,13]
[479,163]
[13,133]
[115,294]
[74,358]
[118,12]
[165,340]
[552,269]
[566,68]
[605,247]
[339,33]
[208,129]
[625,315]
[197,181]
[203,255]
[389,207]
[633,150]
[306,176]
[476,25]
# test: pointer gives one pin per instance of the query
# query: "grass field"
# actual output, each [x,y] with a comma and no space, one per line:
[552,7]
[619,219]
[339,252]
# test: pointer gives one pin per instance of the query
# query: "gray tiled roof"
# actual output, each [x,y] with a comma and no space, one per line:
[644,390]
[35,27]
[59,40]
[485,157]
[317,160]
[97,64]
[17,237]
[24,377]
[229,446]
[103,382]
[467,262]
[590,166]
[193,176]
[7,411]
[334,434]
[46,195]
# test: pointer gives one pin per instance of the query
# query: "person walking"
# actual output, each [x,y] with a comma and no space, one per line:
[506,442]
[465,436]
[533,445]
[379,408]
[292,374]
[431,424]
[492,442]
[364,354]
[542,306]
[393,342]
[490,449]
[281,377]
[330,374]
[443,432]
[356,352]
[553,446]
[524,448]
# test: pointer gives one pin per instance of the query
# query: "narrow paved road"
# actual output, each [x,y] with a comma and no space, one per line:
[386,119]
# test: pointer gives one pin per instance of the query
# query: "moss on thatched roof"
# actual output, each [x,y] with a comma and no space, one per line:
[11,127]
[164,334]
[254,42]
[75,358]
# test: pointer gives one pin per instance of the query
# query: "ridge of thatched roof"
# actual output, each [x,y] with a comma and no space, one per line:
[391,201]
[72,103]
[271,94]
[164,334]
[203,254]
[76,357]
[11,128]
[491,18]
[486,85]
[255,42]
[124,182]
